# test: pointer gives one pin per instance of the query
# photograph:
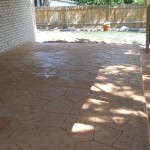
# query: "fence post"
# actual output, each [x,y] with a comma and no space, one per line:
[109,15]
[66,17]
[124,14]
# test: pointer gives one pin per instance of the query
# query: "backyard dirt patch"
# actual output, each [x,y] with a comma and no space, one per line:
[91,37]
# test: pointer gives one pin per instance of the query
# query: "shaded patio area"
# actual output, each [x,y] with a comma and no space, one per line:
[71,96]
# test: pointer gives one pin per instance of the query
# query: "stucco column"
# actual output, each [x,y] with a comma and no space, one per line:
[17,23]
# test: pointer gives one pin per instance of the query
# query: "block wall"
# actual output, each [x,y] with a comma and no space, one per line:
[17,23]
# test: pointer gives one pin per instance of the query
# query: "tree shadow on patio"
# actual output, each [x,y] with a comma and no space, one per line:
[74,96]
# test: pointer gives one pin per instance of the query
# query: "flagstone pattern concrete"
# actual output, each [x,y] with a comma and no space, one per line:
[72,97]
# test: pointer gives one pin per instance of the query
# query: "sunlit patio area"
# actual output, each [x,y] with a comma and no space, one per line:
[72,96]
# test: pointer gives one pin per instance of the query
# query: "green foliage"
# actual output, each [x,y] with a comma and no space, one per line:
[109,2]
[128,1]
[100,2]
[93,2]
[116,2]
[140,2]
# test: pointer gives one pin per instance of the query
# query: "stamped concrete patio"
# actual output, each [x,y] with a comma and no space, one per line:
[72,97]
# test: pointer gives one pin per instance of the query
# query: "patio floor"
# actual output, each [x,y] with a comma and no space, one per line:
[72,96]
[145,63]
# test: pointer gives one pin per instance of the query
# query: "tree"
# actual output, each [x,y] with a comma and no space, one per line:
[128,1]
[140,1]
[100,2]
[108,2]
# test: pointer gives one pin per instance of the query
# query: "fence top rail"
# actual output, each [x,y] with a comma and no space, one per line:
[91,6]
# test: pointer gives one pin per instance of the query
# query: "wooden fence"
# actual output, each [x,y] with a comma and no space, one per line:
[133,16]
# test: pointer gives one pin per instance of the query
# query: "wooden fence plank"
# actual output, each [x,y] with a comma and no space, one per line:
[91,16]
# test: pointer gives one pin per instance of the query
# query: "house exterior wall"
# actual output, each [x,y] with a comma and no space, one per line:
[16,23]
